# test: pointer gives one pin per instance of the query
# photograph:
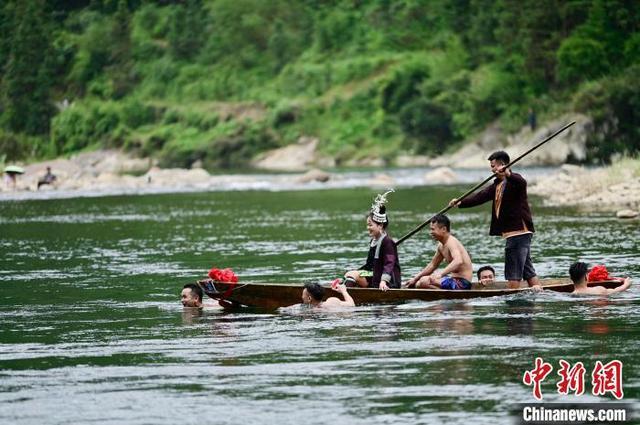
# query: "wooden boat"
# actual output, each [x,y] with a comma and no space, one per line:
[272,296]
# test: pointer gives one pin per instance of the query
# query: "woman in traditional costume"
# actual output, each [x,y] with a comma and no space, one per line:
[382,269]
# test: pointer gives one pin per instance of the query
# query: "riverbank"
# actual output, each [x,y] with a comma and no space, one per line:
[112,172]
[612,188]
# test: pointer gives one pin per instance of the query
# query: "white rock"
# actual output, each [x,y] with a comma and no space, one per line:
[627,214]
[441,175]
[373,162]
[296,157]
[569,144]
[469,156]
[314,175]
[382,180]
[412,161]
[570,169]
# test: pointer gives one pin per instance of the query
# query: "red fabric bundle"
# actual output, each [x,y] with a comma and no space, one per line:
[224,275]
[598,273]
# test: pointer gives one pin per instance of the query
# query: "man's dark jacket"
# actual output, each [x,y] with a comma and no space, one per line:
[514,208]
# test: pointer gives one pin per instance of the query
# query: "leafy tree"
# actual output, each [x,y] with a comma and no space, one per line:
[91,57]
[279,45]
[632,49]
[27,80]
[121,64]
[428,123]
[581,58]
[480,34]
[6,30]
[334,29]
[187,34]
[403,86]
[362,75]
[614,104]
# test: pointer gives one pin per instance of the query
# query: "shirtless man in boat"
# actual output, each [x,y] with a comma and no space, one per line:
[578,273]
[457,274]
[313,293]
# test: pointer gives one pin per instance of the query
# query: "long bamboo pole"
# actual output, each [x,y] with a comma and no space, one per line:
[482,183]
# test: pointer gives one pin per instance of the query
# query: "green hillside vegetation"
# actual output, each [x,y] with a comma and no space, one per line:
[222,80]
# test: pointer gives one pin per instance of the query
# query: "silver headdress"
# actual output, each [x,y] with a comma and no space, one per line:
[378,208]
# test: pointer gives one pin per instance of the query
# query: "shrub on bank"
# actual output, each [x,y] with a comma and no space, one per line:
[230,144]
[18,146]
[614,105]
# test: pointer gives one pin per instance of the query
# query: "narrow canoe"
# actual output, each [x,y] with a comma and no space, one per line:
[272,296]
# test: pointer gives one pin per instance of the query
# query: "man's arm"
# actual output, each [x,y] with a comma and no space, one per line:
[601,290]
[485,195]
[626,283]
[433,265]
[337,302]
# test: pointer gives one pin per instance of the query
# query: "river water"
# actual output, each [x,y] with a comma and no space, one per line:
[92,331]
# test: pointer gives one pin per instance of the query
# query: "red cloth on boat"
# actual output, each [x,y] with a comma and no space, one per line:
[224,275]
[598,273]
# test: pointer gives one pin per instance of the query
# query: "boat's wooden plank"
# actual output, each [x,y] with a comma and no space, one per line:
[272,296]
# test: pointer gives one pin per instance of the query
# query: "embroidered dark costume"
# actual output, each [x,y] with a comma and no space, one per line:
[383,262]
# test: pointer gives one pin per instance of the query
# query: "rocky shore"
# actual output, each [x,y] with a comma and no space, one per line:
[111,172]
[613,188]
[568,146]
[108,172]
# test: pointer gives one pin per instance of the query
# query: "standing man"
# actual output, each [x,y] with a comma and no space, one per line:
[458,272]
[510,218]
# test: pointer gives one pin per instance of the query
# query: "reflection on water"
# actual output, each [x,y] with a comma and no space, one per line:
[92,330]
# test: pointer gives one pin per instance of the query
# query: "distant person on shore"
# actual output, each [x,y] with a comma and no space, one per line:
[10,180]
[313,293]
[457,274]
[382,268]
[11,174]
[532,119]
[48,178]
[486,275]
[510,218]
[578,273]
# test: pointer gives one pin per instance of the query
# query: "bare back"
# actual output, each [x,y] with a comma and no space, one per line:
[451,250]
[583,289]
[598,290]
